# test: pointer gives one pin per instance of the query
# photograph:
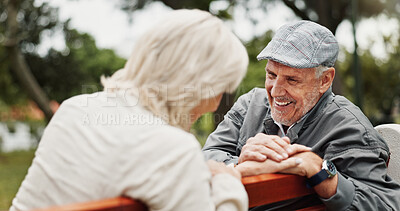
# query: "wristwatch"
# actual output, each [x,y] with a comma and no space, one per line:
[328,170]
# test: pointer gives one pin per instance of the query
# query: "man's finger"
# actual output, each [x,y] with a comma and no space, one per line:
[271,154]
[288,163]
[255,152]
[286,139]
[296,148]
[272,142]
[251,156]
[278,146]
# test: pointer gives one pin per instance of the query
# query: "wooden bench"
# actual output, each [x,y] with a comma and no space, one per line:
[261,189]
[112,204]
[270,188]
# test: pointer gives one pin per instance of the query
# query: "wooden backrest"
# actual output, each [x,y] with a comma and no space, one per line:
[261,189]
[270,188]
[112,204]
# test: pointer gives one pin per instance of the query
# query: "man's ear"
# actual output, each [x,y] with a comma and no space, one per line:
[326,79]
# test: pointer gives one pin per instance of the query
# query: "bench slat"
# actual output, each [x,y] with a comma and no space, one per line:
[261,189]
[112,204]
[270,188]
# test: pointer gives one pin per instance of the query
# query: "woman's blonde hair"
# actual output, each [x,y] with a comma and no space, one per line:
[187,57]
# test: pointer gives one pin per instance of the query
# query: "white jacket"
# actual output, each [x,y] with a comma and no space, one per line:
[106,145]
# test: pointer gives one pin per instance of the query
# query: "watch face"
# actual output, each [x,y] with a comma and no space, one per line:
[330,167]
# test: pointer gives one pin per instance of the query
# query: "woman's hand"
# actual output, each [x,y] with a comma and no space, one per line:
[220,168]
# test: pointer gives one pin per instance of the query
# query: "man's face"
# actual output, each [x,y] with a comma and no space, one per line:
[291,92]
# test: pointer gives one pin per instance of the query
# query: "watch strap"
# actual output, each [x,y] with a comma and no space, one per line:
[317,178]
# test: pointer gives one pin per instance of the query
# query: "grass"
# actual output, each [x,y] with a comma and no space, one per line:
[13,168]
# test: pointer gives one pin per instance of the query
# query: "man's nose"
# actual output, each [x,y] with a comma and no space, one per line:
[278,88]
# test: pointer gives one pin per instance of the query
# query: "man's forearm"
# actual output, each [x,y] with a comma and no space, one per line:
[327,188]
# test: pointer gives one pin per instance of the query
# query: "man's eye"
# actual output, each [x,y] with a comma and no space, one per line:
[271,75]
[292,81]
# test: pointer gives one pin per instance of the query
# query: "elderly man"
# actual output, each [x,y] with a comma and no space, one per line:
[347,162]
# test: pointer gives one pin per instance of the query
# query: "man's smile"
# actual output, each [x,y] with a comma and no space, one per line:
[282,103]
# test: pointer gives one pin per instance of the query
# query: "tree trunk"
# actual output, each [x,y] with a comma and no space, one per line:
[19,65]
[325,18]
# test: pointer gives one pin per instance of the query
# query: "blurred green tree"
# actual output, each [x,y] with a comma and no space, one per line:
[21,25]
[255,76]
[78,61]
[329,13]
[56,75]
[76,69]
[381,83]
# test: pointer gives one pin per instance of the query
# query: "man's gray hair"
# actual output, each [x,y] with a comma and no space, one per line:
[320,70]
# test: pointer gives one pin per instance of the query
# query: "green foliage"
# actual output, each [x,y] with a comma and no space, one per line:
[203,127]
[10,92]
[33,20]
[66,73]
[381,85]
[61,74]
[255,76]
[75,70]
[13,168]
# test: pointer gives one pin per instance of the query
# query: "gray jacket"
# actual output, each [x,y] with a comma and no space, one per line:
[336,129]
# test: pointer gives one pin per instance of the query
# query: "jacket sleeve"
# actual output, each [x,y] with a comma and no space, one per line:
[221,145]
[363,183]
[360,155]
[228,193]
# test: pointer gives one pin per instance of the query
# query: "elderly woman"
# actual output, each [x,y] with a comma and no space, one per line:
[132,138]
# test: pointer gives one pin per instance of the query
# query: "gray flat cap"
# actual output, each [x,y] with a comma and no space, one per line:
[303,44]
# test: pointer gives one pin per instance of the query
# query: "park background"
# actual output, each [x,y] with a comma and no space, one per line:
[52,50]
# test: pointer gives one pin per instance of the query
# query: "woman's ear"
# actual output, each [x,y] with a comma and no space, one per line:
[326,79]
